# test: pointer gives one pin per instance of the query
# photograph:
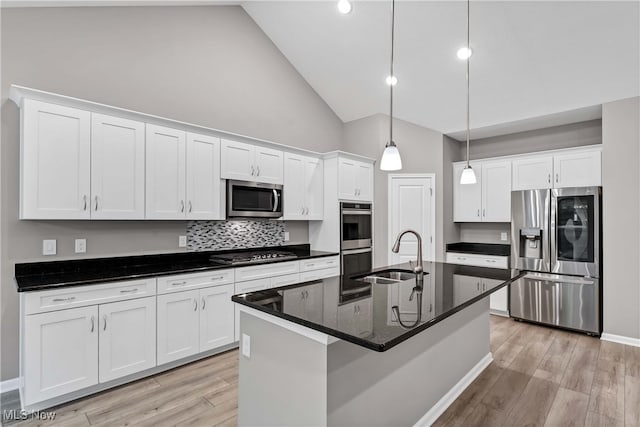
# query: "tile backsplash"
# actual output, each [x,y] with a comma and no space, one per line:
[220,235]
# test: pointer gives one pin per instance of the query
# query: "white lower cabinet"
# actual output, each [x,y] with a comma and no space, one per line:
[127,340]
[60,353]
[178,325]
[216,317]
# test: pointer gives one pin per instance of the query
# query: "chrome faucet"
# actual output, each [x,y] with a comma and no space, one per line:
[418,269]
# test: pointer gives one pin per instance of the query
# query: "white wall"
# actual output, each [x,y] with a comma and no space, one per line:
[211,66]
[621,217]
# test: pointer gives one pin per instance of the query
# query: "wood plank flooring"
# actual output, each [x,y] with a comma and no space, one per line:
[539,377]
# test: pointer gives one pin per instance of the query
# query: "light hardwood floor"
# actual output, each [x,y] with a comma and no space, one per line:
[539,376]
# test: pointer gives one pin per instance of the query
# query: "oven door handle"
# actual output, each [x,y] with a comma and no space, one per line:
[356,212]
[276,199]
[356,251]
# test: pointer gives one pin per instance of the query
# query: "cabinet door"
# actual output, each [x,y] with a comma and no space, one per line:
[178,325]
[465,287]
[496,191]
[60,352]
[269,165]
[127,337]
[313,303]
[237,160]
[531,173]
[216,317]
[294,187]
[347,172]
[56,159]
[245,287]
[498,302]
[203,177]
[578,169]
[364,181]
[293,302]
[467,198]
[314,192]
[117,168]
[165,162]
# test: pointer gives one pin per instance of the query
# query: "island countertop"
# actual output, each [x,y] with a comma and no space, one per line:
[360,310]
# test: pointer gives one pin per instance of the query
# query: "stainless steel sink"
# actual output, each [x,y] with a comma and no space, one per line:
[387,277]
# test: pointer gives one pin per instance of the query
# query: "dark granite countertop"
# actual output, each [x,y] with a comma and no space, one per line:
[38,276]
[480,248]
[361,312]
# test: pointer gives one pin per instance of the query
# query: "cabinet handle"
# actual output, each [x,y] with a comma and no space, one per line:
[549,178]
[195,304]
[190,206]
[64,299]
[556,178]
[93,323]
[203,303]
[84,199]
[129,291]
[302,295]
[484,286]
[306,211]
[461,258]
[490,260]
[217,278]
[484,212]
[105,322]
[184,282]
[302,213]
[181,205]
[257,170]
[478,285]
[478,213]
[96,199]
[253,171]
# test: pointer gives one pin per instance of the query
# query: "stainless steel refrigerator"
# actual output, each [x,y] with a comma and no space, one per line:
[556,236]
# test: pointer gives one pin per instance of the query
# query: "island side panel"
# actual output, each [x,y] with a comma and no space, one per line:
[399,386]
[284,382]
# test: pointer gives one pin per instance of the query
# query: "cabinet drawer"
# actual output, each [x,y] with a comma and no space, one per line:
[59,299]
[285,280]
[319,274]
[254,272]
[194,281]
[478,260]
[319,263]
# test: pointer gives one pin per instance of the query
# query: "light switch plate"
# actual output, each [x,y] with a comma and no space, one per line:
[182,241]
[81,246]
[503,237]
[246,346]
[49,247]
[286,236]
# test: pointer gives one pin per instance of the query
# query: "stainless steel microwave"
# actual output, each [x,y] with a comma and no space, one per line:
[253,200]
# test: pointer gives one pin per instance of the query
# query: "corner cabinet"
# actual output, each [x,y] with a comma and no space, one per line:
[247,162]
[304,187]
[355,180]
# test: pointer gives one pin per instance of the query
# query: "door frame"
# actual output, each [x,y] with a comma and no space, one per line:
[432,242]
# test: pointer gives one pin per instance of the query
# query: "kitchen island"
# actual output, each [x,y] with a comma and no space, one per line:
[365,350]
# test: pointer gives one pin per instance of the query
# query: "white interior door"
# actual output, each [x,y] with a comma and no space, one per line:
[411,207]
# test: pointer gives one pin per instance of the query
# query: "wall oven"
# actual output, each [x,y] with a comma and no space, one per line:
[253,200]
[356,230]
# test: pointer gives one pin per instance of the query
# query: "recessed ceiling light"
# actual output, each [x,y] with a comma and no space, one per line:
[391,80]
[464,53]
[344,7]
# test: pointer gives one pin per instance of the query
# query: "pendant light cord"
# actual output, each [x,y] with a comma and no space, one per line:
[393,21]
[468,55]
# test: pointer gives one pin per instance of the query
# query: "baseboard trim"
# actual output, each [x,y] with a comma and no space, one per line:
[438,409]
[9,385]
[621,339]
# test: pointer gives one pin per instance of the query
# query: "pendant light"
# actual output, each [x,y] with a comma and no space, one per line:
[391,160]
[468,175]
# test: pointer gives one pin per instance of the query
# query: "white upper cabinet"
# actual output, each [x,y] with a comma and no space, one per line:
[165,161]
[532,172]
[55,162]
[496,191]
[304,187]
[246,162]
[203,177]
[355,180]
[577,169]
[117,168]
[467,198]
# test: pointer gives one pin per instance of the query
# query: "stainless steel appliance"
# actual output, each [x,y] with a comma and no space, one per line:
[356,229]
[556,234]
[253,199]
[240,258]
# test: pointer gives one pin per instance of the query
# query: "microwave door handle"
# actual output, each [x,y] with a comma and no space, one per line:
[275,200]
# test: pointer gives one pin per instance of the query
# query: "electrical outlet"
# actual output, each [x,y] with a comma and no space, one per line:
[182,241]
[81,246]
[503,237]
[286,236]
[49,247]
[246,346]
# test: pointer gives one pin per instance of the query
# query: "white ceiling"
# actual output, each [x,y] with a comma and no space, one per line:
[531,59]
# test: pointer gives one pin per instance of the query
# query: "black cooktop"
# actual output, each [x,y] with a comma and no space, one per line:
[252,257]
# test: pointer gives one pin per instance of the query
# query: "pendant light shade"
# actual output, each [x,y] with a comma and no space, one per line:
[468,175]
[391,160]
